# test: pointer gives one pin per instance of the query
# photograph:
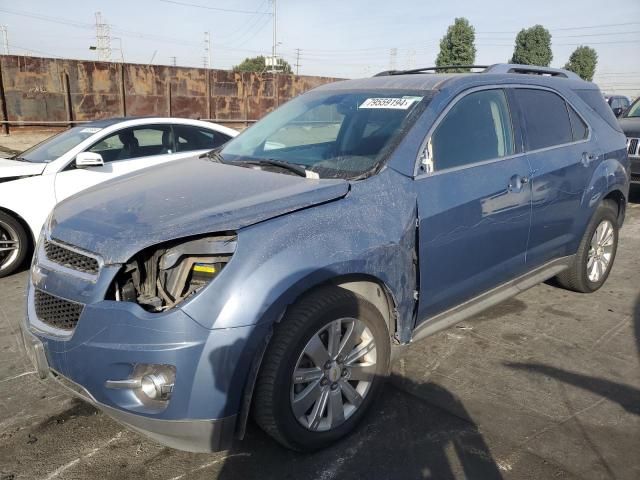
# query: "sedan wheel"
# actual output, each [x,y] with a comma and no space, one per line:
[9,246]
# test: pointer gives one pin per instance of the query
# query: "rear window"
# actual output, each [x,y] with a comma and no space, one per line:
[546,118]
[596,101]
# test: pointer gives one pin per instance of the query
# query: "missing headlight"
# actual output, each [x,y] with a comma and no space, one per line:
[161,277]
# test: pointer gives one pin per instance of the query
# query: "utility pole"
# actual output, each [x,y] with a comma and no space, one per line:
[274,64]
[174,61]
[103,38]
[207,50]
[393,58]
[5,39]
[298,61]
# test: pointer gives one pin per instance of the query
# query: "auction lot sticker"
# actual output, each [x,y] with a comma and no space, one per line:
[396,103]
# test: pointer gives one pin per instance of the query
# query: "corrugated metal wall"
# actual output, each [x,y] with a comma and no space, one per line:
[45,90]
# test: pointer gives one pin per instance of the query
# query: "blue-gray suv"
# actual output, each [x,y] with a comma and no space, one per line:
[277,276]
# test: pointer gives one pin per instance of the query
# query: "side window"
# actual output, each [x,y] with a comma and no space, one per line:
[135,142]
[477,128]
[546,118]
[190,138]
[579,128]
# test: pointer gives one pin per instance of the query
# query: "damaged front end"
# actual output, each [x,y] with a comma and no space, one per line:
[161,277]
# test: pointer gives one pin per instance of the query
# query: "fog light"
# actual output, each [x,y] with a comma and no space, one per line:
[156,386]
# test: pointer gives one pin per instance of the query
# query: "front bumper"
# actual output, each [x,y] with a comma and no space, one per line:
[112,338]
[189,435]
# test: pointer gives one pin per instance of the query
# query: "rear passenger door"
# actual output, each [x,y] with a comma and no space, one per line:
[194,139]
[562,154]
[474,208]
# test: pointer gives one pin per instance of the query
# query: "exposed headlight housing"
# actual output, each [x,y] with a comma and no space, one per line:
[161,277]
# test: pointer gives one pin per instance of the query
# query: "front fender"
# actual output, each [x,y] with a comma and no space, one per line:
[370,232]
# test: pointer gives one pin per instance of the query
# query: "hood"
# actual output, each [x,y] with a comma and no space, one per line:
[630,126]
[119,218]
[15,168]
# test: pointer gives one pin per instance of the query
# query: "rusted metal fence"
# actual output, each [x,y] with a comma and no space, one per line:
[60,92]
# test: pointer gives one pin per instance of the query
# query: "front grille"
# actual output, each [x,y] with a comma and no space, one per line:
[632,146]
[57,312]
[635,177]
[70,259]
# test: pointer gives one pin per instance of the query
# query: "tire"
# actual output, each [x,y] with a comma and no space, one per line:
[12,235]
[580,276]
[277,395]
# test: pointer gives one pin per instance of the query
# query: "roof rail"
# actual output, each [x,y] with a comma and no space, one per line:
[530,70]
[428,69]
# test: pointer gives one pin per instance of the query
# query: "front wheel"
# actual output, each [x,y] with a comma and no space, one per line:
[596,252]
[14,243]
[326,362]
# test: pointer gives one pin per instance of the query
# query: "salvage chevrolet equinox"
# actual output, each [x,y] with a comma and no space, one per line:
[278,275]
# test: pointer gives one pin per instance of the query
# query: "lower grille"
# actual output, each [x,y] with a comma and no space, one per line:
[635,177]
[57,312]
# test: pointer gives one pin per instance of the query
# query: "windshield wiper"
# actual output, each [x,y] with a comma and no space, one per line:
[18,159]
[292,167]
[213,155]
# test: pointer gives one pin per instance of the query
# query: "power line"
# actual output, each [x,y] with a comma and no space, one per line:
[207,7]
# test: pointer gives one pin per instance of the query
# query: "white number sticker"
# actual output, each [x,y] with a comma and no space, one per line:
[396,103]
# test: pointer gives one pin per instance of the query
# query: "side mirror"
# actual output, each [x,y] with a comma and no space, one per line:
[89,159]
[618,111]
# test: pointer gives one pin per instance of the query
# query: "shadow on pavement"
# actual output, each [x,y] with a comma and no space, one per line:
[627,397]
[402,436]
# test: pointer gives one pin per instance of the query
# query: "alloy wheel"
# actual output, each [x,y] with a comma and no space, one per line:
[600,251]
[9,245]
[333,374]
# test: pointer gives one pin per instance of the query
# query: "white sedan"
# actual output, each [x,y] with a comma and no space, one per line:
[34,181]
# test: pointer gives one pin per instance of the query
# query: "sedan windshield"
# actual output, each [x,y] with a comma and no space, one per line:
[634,111]
[53,147]
[343,134]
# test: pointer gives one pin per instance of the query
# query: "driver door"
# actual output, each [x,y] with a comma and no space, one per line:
[123,152]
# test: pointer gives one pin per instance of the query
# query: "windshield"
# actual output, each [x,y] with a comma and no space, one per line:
[634,110]
[55,146]
[333,134]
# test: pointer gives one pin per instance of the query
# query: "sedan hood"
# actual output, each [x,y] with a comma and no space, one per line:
[630,126]
[15,168]
[119,218]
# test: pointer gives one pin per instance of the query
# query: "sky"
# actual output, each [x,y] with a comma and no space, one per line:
[338,38]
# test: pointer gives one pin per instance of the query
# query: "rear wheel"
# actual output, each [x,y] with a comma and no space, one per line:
[14,243]
[326,362]
[596,253]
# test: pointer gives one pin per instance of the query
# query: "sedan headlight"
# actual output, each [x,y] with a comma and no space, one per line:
[163,276]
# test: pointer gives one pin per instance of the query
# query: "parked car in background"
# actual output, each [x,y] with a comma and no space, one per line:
[618,103]
[276,276]
[630,123]
[33,181]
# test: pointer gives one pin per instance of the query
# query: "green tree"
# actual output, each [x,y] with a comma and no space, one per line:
[457,46]
[533,47]
[257,64]
[583,61]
